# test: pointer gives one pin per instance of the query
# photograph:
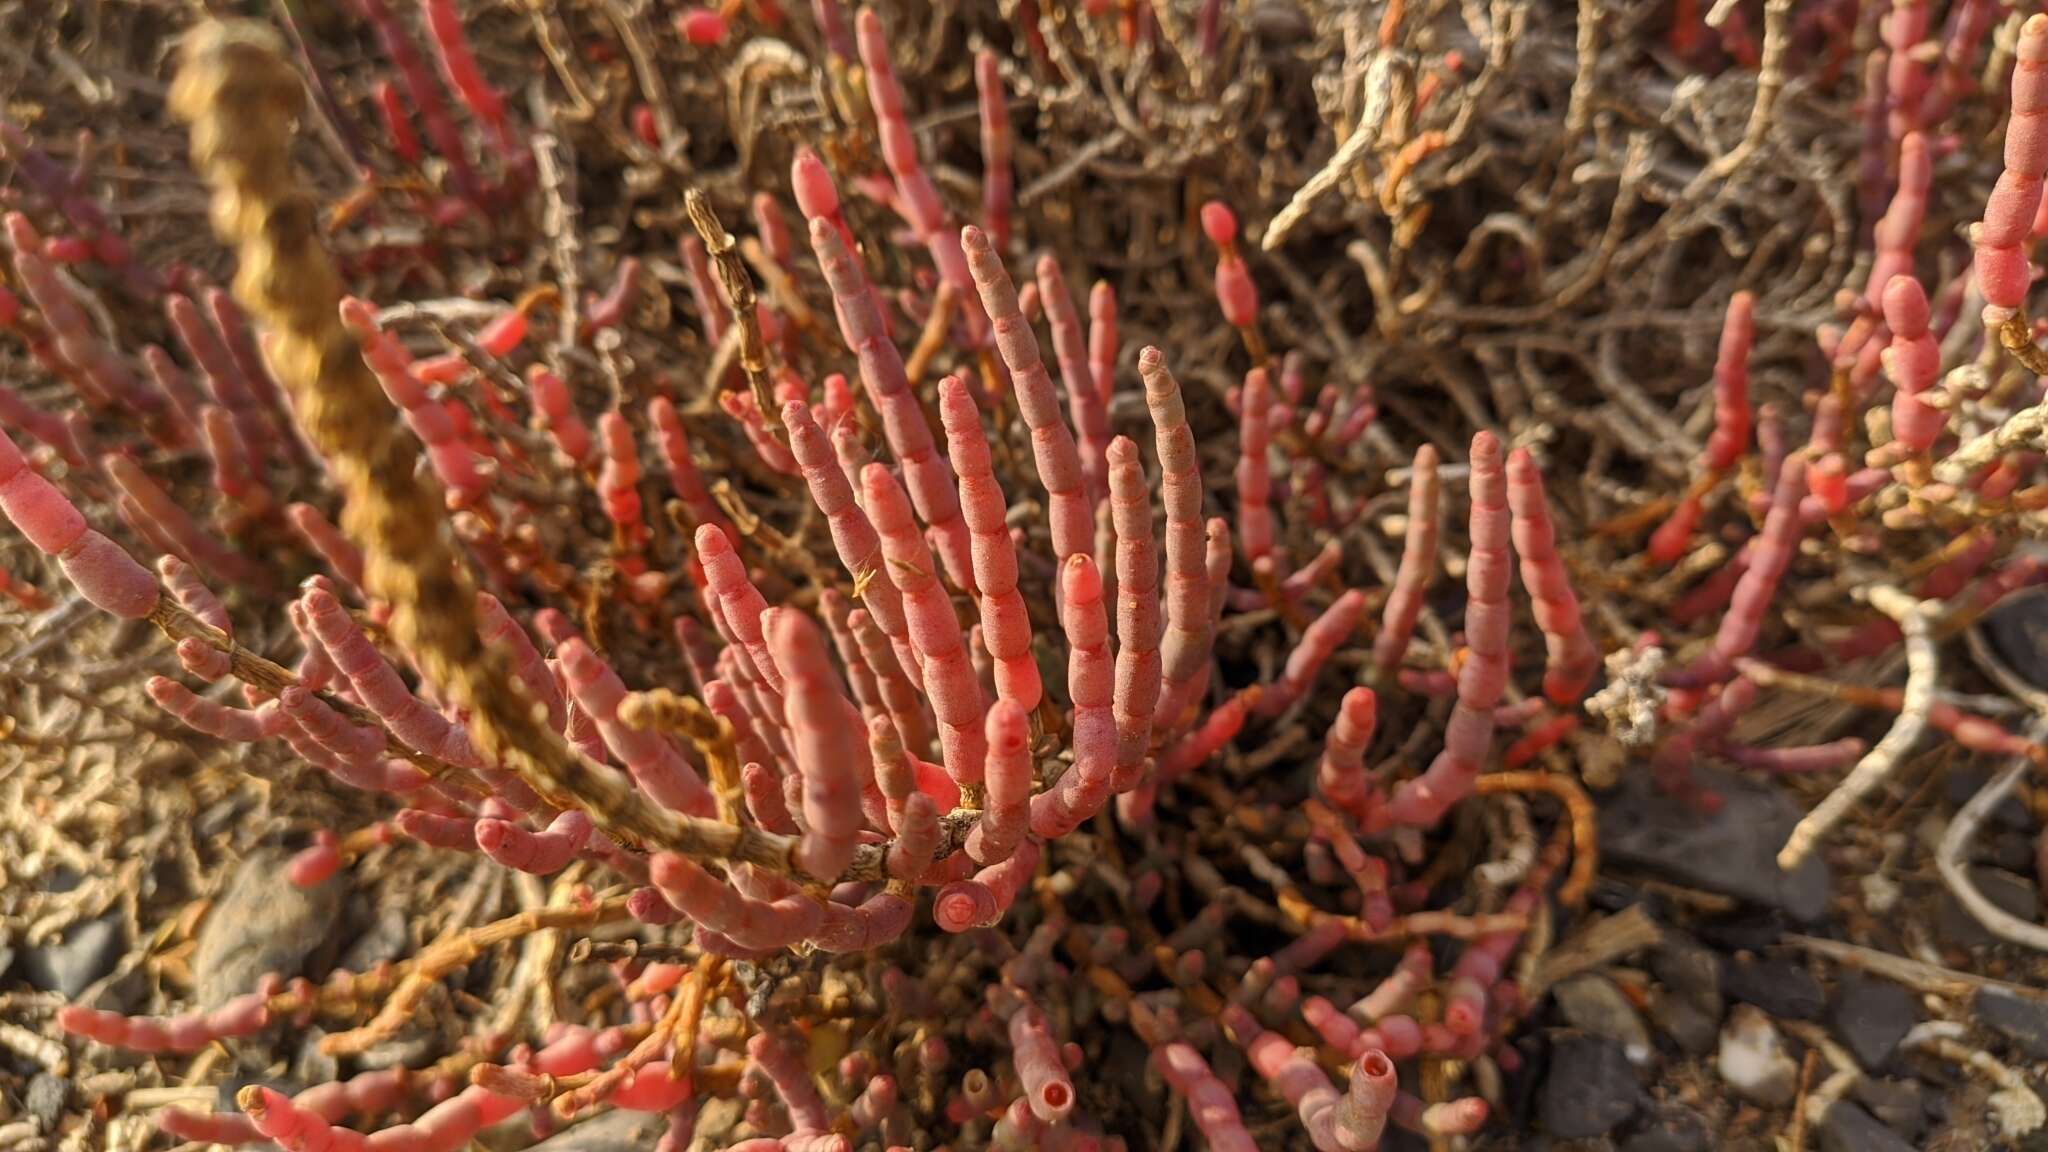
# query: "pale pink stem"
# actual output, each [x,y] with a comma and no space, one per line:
[1361,1117]
[244,1015]
[1138,662]
[742,406]
[234,474]
[741,604]
[1341,777]
[792,1081]
[1570,656]
[184,584]
[2002,238]
[1291,1072]
[1460,1117]
[926,474]
[1469,734]
[343,558]
[450,45]
[1052,444]
[867,691]
[1087,393]
[452,458]
[1417,567]
[224,379]
[1091,687]
[873,922]
[1903,29]
[1874,142]
[672,441]
[1235,292]
[618,481]
[1769,556]
[1730,438]
[1913,361]
[1211,1103]
[763,792]
[194,544]
[817,199]
[1830,757]
[1220,727]
[996,181]
[917,839]
[1255,529]
[425,96]
[1968,23]
[555,411]
[498,629]
[380,688]
[1674,758]
[169,380]
[935,635]
[1005,622]
[540,853]
[1898,232]
[900,694]
[654,763]
[718,907]
[1006,814]
[1319,641]
[239,725]
[435,830]
[830,752]
[916,195]
[1048,1089]
[853,536]
[982,901]
[107,378]
[1184,649]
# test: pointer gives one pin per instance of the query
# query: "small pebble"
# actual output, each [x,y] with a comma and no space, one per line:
[1845,1127]
[1592,1003]
[1777,985]
[1871,1017]
[1590,1090]
[1753,1061]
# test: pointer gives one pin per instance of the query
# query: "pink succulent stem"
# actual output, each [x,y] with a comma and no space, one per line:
[239,725]
[2002,238]
[1047,1088]
[193,543]
[1005,622]
[1769,557]
[1006,815]
[648,756]
[108,379]
[189,1032]
[740,603]
[380,688]
[618,484]
[1291,1072]
[672,441]
[996,182]
[1091,687]
[926,474]
[1319,641]
[1138,662]
[1913,361]
[240,345]
[555,411]
[498,629]
[163,372]
[190,591]
[1255,529]
[450,45]
[1469,734]
[830,751]
[786,1070]
[1571,658]
[1235,292]
[873,922]
[1968,23]
[540,853]
[1898,232]
[742,406]
[1903,29]
[717,907]
[1087,390]
[1218,728]
[1341,777]
[1211,1103]
[982,901]
[900,694]
[1052,444]
[234,474]
[1184,649]
[935,634]
[918,198]
[1418,565]
[453,459]
[1830,757]
[425,96]
[343,558]
[1730,438]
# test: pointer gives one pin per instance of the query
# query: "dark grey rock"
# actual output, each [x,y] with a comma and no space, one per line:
[1776,985]
[1901,1104]
[1733,851]
[1689,970]
[1592,1003]
[1686,1023]
[2016,632]
[77,960]
[1962,782]
[2005,849]
[1674,1128]
[611,1132]
[1590,1090]
[263,923]
[43,1102]
[1845,1127]
[2020,1020]
[1871,1017]
[2013,894]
